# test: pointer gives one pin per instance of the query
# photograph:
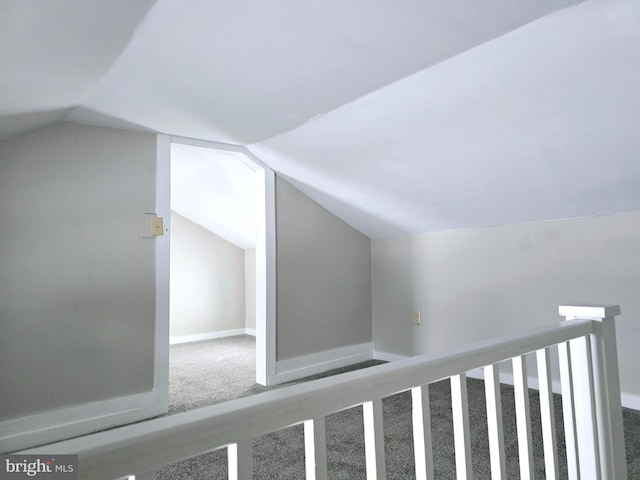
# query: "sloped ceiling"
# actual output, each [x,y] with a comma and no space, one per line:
[216,190]
[543,123]
[407,116]
[53,54]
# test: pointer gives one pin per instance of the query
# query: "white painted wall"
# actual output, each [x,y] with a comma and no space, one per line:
[479,283]
[207,281]
[250,288]
[323,278]
[77,280]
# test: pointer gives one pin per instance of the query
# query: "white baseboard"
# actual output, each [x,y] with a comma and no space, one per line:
[250,331]
[210,335]
[300,367]
[55,425]
[628,400]
[387,357]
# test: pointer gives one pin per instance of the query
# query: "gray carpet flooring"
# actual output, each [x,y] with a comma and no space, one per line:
[205,373]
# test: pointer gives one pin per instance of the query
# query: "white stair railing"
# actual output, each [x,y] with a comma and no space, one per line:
[591,389]
[591,402]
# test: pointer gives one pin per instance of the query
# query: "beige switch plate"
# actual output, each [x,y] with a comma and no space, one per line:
[157,227]
[417,319]
[152,225]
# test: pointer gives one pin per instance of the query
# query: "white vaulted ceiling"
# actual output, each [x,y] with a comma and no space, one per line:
[407,116]
[217,190]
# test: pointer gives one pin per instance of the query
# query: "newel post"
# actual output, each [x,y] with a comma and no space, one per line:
[595,385]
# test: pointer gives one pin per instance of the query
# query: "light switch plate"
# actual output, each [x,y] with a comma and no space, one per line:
[152,225]
[157,227]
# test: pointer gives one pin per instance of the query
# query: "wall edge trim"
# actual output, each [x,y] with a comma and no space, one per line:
[387,357]
[304,366]
[69,422]
[207,336]
[628,400]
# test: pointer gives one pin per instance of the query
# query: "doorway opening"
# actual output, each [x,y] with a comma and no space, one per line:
[222,252]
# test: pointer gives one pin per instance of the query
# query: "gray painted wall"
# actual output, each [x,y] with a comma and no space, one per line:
[250,288]
[77,281]
[475,284]
[207,280]
[323,278]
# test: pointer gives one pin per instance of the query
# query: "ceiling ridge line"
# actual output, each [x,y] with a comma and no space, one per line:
[404,78]
[155,17]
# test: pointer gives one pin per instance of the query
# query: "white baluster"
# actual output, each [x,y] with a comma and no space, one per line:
[422,444]
[240,460]
[523,417]
[374,440]
[547,416]
[315,447]
[586,428]
[494,422]
[461,435]
[568,411]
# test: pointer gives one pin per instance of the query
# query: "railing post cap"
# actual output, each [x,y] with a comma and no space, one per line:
[589,311]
